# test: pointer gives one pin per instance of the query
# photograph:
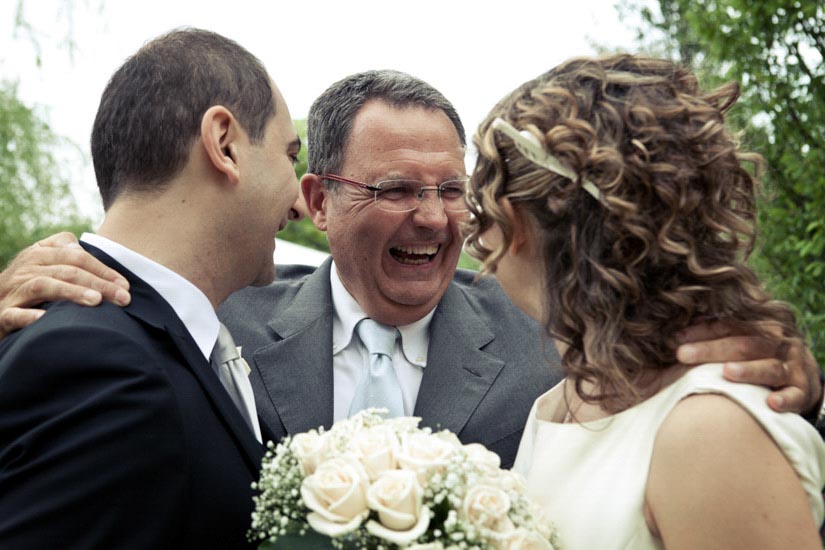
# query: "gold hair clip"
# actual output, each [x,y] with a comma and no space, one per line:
[530,147]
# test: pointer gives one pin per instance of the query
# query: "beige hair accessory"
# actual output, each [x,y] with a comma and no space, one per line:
[530,147]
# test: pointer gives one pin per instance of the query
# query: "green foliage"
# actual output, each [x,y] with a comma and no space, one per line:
[304,232]
[35,199]
[775,50]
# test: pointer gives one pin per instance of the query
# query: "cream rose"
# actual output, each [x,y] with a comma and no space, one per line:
[310,449]
[396,495]
[424,453]
[506,480]
[486,507]
[376,448]
[522,539]
[487,461]
[337,495]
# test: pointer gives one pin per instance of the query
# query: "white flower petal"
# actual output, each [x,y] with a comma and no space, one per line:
[401,538]
[334,529]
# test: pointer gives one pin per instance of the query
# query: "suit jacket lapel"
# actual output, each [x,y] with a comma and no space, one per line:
[455,360]
[296,370]
[150,307]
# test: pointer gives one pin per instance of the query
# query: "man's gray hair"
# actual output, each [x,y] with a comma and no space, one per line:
[331,116]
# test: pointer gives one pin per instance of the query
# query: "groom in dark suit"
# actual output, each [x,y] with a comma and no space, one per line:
[116,431]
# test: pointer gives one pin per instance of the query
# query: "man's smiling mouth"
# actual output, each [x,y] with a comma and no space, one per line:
[415,255]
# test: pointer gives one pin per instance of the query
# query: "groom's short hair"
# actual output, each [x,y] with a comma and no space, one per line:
[151,109]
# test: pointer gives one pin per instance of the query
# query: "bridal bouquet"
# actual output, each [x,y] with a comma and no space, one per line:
[377,483]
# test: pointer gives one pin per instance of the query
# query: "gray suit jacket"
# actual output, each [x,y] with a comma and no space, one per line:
[486,365]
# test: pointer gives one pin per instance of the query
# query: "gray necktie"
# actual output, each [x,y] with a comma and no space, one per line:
[233,373]
[378,386]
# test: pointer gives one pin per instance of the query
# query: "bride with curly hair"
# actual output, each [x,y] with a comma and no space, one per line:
[615,207]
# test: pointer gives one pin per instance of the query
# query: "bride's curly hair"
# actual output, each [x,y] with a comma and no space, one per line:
[664,246]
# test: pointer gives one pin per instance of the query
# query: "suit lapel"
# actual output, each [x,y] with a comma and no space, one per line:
[150,307]
[455,360]
[296,369]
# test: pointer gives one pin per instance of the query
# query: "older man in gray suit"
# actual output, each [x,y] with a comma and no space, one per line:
[386,180]
[386,170]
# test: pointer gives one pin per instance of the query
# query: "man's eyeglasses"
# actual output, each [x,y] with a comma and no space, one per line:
[406,195]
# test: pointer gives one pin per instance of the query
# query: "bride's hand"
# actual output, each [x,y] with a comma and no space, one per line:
[56,268]
[792,373]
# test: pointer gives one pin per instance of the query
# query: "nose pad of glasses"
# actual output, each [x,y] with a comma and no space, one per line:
[432,208]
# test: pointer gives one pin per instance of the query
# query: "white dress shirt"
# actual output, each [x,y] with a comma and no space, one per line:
[350,357]
[190,304]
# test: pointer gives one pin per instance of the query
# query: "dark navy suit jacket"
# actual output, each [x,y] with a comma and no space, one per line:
[116,433]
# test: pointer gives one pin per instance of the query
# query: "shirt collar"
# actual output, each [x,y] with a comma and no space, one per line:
[415,337]
[189,303]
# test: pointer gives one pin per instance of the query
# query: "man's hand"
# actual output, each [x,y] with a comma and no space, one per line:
[793,373]
[56,268]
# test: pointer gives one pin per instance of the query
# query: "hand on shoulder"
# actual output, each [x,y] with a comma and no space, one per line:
[792,372]
[56,268]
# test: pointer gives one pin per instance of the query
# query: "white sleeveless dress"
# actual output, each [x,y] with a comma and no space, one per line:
[591,477]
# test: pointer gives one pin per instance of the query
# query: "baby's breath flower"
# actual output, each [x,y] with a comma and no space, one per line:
[445,480]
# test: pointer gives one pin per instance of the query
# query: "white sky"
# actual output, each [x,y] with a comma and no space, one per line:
[474,51]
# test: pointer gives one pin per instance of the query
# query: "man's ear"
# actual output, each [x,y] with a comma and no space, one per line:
[316,197]
[219,135]
[523,229]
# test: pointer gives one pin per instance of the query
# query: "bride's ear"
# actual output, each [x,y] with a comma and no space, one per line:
[524,231]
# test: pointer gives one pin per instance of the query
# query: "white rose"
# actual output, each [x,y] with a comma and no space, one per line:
[522,539]
[448,437]
[310,449]
[396,495]
[486,460]
[487,506]
[376,448]
[506,480]
[337,495]
[423,453]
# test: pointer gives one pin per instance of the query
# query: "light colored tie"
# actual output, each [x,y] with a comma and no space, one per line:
[378,386]
[233,372]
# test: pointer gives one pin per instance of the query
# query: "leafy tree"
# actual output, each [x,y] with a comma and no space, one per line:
[304,232]
[775,50]
[35,199]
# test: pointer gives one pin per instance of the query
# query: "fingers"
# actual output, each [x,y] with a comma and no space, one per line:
[725,349]
[60,239]
[15,318]
[790,399]
[57,268]
[67,282]
[795,390]
[703,331]
[75,256]
[51,289]
[771,373]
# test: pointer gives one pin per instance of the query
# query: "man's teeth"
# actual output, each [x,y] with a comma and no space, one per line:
[429,249]
[414,255]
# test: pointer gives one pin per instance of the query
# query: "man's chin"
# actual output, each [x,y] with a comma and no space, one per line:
[266,277]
